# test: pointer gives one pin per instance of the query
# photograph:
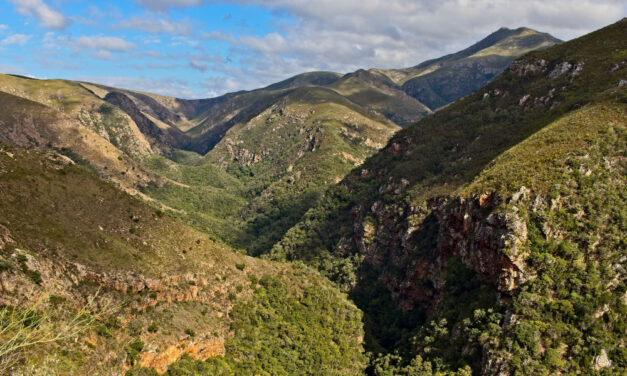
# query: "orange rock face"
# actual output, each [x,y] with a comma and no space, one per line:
[197,350]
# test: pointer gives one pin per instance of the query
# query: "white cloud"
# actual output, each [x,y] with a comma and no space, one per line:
[48,17]
[105,43]
[195,64]
[346,35]
[154,25]
[165,4]
[10,69]
[53,60]
[103,55]
[3,28]
[18,39]
[152,53]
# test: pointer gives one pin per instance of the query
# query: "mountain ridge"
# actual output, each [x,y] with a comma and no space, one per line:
[162,142]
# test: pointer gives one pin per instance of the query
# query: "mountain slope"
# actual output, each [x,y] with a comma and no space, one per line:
[162,295]
[290,153]
[276,198]
[441,81]
[208,162]
[379,94]
[476,237]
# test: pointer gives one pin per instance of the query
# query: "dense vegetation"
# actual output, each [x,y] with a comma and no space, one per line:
[277,333]
[527,128]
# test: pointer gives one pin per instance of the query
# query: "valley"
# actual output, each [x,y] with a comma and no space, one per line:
[462,216]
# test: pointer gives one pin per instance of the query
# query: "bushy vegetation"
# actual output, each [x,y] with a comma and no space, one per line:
[569,157]
[280,333]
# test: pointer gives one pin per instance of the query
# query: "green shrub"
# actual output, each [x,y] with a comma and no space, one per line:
[5,266]
[35,276]
[152,328]
[133,349]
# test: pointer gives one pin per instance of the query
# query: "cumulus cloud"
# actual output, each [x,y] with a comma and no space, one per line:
[305,35]
[347,35]
[105,43]
[396,33]
[156,25]
[18,39]
[48,17]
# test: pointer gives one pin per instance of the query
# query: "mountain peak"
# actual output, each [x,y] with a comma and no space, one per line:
[535,40]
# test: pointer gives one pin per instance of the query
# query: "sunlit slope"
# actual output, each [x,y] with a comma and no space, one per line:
[164,290]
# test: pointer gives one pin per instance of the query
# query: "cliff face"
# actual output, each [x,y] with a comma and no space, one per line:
[420,241]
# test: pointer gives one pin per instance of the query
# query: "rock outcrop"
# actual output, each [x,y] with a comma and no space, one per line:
[396,238]
[160,361]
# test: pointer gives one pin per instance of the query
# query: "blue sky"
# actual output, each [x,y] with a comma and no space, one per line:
[203,48]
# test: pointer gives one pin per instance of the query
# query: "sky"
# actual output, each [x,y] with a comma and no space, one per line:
[205,48]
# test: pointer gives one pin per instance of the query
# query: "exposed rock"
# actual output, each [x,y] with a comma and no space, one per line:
[560,69]
[522,194]
[5,237]
[494,364]
[573,70]
[160,361]
[538,203]
[602,360]
[489,243]
[521,67]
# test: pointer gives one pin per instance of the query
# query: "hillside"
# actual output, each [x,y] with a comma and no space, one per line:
[209,161]
[156,293]
[487,237]
[289,154]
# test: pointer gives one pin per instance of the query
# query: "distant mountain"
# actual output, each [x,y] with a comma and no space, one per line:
[441,81]
[489,236]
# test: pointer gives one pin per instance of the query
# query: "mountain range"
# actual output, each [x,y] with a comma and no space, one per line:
[461,216]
